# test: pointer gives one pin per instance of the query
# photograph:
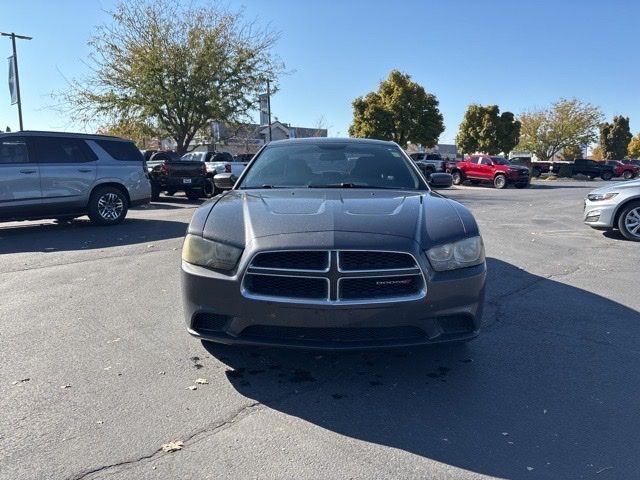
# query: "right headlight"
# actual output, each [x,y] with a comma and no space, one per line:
[598,197]
[451,256]
[210,254]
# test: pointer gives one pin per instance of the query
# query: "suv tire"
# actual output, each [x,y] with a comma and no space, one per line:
[500,181]
[607,176]
[627,175]
[629,221]
[155,192]
[108,206]
[457,177]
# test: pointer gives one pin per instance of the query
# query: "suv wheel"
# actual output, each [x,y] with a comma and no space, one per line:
[629,221]
[108,206]
[500,181]
[627,175]
[607,176]
[457,177]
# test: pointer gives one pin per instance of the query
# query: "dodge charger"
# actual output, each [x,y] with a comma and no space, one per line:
[333,243]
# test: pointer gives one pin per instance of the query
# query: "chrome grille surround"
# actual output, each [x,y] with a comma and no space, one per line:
[336,277]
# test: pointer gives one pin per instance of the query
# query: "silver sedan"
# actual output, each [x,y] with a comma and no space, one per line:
[615,206]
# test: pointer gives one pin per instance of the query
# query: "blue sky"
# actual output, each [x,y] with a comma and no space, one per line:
[515,54]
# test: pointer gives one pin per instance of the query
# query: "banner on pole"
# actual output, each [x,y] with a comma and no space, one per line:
[13,86]
[264,109]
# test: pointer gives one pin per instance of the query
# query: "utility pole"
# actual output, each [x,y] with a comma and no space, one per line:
[269,106]
[15,69]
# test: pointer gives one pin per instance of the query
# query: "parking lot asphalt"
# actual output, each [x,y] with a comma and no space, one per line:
[96,363]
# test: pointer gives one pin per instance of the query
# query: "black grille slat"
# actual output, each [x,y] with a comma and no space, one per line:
[371,288]
[371,260]
[291,287]
[293,260]
[337,335]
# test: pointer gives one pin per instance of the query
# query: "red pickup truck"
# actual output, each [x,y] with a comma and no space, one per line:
[624,170]
[486,168]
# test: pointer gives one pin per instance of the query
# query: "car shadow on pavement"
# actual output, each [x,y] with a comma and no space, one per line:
[83,235]
[548,390]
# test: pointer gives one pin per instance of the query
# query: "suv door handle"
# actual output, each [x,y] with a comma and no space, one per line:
[28,171]
[84,170]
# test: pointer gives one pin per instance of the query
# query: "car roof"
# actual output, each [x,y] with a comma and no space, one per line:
[39,133]
[317,140]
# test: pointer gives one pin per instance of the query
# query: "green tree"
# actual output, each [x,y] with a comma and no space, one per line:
[508,132]
[615,138]
[566,122]
[633,150]
[483,129]
[175,66]
[571,152]
[134,129]
[400,110]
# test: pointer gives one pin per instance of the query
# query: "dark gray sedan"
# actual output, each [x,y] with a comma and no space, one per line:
[333,243]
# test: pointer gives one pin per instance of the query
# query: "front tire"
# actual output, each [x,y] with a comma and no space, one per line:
[192,195]
[607,176]
[627,175]
[108,206]
[500,181]
[457,177]
[629,221]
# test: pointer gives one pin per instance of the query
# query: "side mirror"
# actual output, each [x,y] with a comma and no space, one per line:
[441,180]
[224,181]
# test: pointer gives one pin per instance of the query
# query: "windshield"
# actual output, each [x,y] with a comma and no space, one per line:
[500,160]
[332,165]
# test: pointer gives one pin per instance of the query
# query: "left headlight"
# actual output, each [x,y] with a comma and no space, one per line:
[210,254]
[460,254]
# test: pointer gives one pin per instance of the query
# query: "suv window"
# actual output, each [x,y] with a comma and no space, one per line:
[13,150]
[120,150]
[485,161]
[62,150]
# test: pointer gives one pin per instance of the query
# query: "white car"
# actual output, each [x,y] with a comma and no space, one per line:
[615,206]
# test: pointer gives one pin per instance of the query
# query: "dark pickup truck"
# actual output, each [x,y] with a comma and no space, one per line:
[170,174]
[588,168]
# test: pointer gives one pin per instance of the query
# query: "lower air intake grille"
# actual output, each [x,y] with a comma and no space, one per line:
[336,335]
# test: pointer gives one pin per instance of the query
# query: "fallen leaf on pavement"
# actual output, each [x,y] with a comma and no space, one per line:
[22,380]
[172,446]
[192,387]
[201,381]
[65,386]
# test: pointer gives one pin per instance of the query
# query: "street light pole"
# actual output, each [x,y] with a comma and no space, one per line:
[15,69]
[269,106]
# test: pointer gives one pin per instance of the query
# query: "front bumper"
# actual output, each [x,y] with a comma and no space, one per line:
[599,214]
[216,310]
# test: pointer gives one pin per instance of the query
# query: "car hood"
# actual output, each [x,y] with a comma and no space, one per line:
[240,216]
[618,186]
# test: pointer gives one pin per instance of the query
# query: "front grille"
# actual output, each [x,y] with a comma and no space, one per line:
[360,260]
[333,335]
[313,260]
[334,276]
[291,287]
[379,287]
